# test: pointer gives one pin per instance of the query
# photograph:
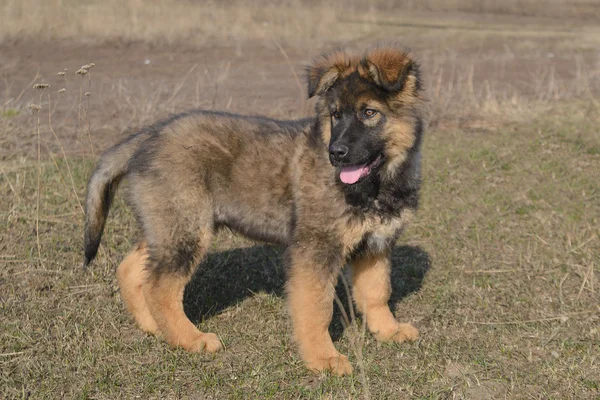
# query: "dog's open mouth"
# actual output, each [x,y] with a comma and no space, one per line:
[353,173]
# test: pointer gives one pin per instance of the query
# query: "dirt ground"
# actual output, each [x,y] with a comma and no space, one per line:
[500,271]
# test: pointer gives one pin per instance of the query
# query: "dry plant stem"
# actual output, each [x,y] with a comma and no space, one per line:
[358,350]
[490,271]
[62,149]
[86,120]
[181,84]
[588,278]
[296,79]
[349,294]
[592,277]
[35,78]
[345,319]
[530,321]
[580,246]
[14,353]
[10,185]
[79,118]
[560,293]
[62,178]
[356,340]
[39,173]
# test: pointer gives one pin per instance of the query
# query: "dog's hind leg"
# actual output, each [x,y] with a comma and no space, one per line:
[131,276]
[372,288]
[171,268]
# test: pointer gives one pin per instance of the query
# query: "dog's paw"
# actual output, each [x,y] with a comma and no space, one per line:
[148,325]
[205,343]
[399,333]
[338,365]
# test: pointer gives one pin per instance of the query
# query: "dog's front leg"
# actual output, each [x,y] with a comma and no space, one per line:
[311,290]
[372,288]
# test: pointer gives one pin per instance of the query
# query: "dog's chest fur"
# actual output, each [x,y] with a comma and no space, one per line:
[373,233]
[380,220]
[382,235]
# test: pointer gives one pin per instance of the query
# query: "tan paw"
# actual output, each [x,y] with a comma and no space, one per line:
[400,333]
[205,343]
[338,365]
[148,325]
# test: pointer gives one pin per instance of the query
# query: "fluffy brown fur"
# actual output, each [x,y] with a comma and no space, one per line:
[288,182]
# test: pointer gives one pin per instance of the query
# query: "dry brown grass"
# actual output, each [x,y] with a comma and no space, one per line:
[456,93]
[548,8]
[500,271]
[167,21]
[175,21]
[509,308]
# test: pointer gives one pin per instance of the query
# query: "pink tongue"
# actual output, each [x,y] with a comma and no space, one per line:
[352,174]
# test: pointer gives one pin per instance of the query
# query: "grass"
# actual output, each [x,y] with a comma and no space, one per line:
[499,273]
[9,113]
[165,22]
[175,21]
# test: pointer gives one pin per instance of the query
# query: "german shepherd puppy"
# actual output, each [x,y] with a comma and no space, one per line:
[333,189]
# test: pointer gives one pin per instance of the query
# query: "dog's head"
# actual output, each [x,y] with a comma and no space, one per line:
[368,109]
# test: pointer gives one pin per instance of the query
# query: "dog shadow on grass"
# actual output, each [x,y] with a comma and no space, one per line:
[228,277]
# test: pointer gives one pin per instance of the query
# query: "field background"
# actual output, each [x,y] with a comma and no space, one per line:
[500,271]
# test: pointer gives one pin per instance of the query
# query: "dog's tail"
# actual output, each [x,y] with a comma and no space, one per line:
[101,189]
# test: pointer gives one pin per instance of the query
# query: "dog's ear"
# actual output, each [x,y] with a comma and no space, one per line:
[392,69]
[320,79]
[324,71]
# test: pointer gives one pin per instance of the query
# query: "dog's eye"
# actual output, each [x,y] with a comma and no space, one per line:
[336,115]
[370,113]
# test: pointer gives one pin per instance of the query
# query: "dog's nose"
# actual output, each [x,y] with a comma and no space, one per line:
[338,151]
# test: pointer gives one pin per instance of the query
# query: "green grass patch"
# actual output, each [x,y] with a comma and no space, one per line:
[9,113]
